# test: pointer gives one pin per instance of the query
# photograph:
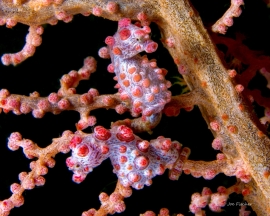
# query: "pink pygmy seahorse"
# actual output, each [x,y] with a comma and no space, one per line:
[135,161]
[140,81]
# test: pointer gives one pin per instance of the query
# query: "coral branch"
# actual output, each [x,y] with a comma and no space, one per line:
[227,19]
[64,99]
[33,40]
[40,105]
[185,101]
[214,200]
[210,169]
[33,12]
[39,167]
[141,124]
[113,203]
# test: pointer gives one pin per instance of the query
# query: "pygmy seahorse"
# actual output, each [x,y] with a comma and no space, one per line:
[140,81]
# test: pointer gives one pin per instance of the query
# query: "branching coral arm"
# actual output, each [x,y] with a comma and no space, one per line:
[111,204]
[216,200]
[141,124]
[39,167]
[209,170]
[184,101]
[33,40]
[65,99]
[227,19]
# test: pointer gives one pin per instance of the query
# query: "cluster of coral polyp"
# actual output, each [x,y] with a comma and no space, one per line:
[135,161]
[140,81]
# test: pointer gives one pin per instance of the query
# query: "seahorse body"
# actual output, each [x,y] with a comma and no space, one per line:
[135,161]
[139,79]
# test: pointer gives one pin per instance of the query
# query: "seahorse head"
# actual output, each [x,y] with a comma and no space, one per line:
[130,39]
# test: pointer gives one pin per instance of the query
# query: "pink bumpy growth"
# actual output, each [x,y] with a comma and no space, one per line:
[135,161]
[140,81]
[33,40]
